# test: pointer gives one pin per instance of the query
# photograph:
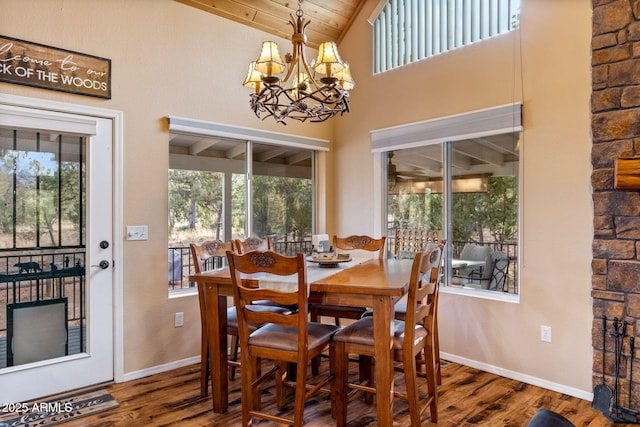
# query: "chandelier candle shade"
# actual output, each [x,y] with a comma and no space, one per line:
[313,92]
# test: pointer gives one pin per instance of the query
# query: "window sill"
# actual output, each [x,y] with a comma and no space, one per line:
[480,293]
[184,292]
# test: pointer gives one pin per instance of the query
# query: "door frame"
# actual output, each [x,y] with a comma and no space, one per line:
[116,118]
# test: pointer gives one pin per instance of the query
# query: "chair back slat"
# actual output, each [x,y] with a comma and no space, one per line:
[253,244]
[272,263]
[423,289]
[365,243]
[201,253]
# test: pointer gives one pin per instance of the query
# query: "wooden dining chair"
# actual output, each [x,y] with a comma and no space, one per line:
[285,338]
[257,244]
[413,339]
[205,256]
[400,309]
[341,245]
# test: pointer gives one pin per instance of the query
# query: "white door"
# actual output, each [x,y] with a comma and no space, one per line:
[74,240]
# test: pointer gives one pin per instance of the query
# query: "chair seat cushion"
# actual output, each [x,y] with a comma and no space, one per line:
[361,332]
[291,307]
[232,317]
[283,338]
[400,311]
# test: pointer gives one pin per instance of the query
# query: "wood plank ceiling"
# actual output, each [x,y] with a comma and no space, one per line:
[330,19]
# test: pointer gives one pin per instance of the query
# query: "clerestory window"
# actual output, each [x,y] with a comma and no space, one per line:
[407,31]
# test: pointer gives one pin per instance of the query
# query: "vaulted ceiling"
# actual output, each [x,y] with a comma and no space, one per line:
[330,19]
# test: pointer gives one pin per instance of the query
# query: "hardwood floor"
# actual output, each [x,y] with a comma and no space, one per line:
[467,397]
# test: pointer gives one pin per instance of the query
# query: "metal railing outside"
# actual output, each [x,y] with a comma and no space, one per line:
[39,275]
[510,249]
[181,263]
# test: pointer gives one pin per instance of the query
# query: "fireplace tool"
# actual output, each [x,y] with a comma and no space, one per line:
[602,394]
[617,413]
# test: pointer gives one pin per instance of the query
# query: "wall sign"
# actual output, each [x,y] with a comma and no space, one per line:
[38,65]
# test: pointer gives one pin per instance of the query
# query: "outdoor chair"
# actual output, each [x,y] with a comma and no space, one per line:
[414,341]
[285,338]
[475,252]
[499,272]
[205,254]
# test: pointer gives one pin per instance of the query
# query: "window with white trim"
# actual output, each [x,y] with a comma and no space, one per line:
[407,31]
[228,183]
[457,178]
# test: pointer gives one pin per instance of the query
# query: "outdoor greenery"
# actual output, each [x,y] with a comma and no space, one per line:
[282,207]
[46,210]
[477,217]
[492,215]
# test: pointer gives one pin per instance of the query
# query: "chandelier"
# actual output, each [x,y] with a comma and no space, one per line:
[314,92]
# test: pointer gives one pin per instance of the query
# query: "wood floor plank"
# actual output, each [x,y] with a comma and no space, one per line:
[467,397]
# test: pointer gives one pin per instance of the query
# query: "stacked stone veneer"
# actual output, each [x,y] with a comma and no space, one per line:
[615,105]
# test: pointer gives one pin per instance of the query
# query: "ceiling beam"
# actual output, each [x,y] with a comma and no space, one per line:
[236,151]
[298,157]
[201,145]
[271,153]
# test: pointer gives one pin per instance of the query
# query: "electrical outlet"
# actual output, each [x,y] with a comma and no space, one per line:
[137,232]
[179,319]
[545,333]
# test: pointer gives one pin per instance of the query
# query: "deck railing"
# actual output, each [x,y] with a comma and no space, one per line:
[40,275]
[181,264]
[402,242]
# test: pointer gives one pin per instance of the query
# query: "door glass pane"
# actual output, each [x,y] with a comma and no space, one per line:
[282,196]
[42,252]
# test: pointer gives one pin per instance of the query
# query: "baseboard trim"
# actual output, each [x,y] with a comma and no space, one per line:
[129,376]
[518,376]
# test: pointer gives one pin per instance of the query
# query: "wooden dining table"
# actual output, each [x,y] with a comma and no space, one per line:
[375,283]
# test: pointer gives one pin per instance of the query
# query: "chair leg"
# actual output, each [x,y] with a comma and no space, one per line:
[235,344]
[410,379]
[301,391]
[257,392]
[366,373]
[315,362]
[204,371]
[332,372]
[247,375]
[339,392]
[281,398]
[433,368]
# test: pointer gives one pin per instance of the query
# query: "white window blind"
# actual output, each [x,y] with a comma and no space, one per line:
[406,31]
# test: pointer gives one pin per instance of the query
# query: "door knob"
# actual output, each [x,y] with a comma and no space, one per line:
[104,264]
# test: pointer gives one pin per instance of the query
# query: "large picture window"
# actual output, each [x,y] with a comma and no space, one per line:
[462,189]
[225,189]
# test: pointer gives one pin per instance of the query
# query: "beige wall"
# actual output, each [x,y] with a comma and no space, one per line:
[169,59]
[553,47]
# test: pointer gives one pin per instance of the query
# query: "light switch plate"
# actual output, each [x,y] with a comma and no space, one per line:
[137,232]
